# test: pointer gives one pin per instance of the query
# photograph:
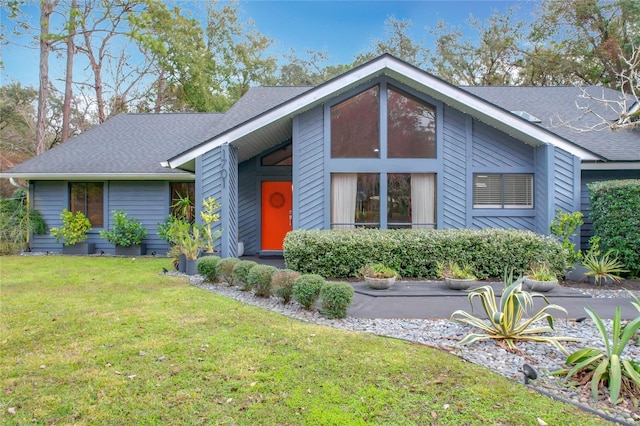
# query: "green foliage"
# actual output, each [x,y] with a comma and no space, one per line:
[17,222]
[564,226]
[306,289]
[259,279]
[169,231]
[541,271]
[208,216]
[604,267]
[614,211]
[125,232]
[416,253]
[282,283]
[75,228]
[336,298]
[505,321]
[608,367]
[240,273]
[226,269]
[209,268]
[452,269]
[378,270]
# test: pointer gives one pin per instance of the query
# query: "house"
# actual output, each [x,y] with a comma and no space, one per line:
[383,145]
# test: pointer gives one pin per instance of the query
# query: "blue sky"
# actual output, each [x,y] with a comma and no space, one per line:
[343,28]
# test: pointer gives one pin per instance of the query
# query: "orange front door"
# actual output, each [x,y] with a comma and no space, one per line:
[276,213]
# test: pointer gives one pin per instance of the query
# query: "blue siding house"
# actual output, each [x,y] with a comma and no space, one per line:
[384,145]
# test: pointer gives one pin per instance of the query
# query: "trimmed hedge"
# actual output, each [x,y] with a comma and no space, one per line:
[306,289]
[240,273]
[415,253]
[259,279]
[282,284]
[226,269]
[336,298]
[209,268]
[615,212]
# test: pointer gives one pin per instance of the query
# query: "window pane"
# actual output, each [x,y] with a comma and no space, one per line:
[507,191]
[182,204]
[281,157]
[518,191]
[487,191]
[355,200]
[88,198]
[368,200]
[399,200]
[411,127]
[355,126]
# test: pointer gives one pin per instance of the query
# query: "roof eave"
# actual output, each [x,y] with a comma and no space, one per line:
[101,176]
[610,165]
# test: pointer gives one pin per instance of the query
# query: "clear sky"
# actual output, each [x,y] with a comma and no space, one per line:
[342,28]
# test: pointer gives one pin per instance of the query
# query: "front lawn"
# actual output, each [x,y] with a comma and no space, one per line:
[92,340]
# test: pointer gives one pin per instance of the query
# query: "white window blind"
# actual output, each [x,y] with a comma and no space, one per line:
[503,191]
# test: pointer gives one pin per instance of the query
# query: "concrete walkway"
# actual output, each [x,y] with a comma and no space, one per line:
[433,300]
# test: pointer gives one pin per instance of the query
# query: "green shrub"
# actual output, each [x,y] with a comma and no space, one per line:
[75,228]
[614,211]
[240,273]
[282,283]
[125,232]
[565,226]
[416,253]
[336,298]
[209,268]
[259,279]
[17,222]
[226,269]
[306,289]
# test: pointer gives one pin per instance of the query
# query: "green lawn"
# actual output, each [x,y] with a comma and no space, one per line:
[92,340]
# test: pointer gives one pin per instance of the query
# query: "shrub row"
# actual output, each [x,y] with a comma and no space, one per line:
[265,280]
[416,253]
[614,211]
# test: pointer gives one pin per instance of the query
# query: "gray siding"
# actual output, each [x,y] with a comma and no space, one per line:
[308,172]
[214,181]
[454,180]
[565,175]
[543,188]
[503,222]
[49,198]
[248,209]
[496,150]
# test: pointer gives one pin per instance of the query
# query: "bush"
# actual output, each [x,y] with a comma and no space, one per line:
[17,222]
[259,279]
[416,253]
[125,232]
[336,298]
[75,228]
[240,273]
[226,269]
[209,268]
[306,289]
[282,283]
[614,211]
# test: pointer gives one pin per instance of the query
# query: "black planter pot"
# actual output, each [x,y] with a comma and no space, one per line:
[191,267]
[134,250]
[79,249]
[182,263]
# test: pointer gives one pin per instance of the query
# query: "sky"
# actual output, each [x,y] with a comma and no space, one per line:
[342,28]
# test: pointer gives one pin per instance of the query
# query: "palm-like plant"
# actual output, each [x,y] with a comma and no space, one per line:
[607,367]
[505,321]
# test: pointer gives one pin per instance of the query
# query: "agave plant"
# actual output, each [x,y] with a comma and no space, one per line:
[607,367]
[505,321]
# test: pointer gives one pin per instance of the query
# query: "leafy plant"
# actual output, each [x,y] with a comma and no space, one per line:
[208,216]
[169,229]
[17,222]
[259,279]
[452,269]
[126,231]
[75,228]
[190,241]
[209,268]
[282,282]
[541,272]
[184,208]
[336,298]
[378,270]
[607,367]
[602,267]
[226,269]
[306,289]
[564,226]
[241,273]
[506,319]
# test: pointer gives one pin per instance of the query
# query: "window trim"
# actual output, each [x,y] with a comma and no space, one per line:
[502,205]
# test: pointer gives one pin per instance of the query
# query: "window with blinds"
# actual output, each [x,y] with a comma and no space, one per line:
[503,191]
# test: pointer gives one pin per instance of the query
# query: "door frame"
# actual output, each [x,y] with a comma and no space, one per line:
[262,179]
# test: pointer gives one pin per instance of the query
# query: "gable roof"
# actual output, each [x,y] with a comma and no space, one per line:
[557,109]
[253,136]
[127,146]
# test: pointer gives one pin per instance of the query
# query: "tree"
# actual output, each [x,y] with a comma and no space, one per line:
[397,43]
[46,9]
[311,71]
[68,82]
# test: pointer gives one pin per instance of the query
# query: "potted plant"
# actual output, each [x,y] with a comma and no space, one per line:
[208,217]
[378,276]
[601,269]
[190,245]
[540,278]
[173,230]
[126,234]
[74,233]
[456,277]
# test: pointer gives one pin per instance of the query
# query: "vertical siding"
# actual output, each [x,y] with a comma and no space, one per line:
[454,176]
[248,213]
[230,224]
[49,198]
[308,172]
[145,201]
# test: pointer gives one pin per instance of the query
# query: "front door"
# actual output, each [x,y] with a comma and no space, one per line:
[276,213]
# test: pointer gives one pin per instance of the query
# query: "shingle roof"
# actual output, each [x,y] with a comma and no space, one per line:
[125,144]
[556,108]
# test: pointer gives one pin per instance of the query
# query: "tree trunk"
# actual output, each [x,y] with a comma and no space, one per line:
[46,9]
[66,107]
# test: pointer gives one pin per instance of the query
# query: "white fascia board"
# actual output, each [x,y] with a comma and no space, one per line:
[611,165]
[187,177]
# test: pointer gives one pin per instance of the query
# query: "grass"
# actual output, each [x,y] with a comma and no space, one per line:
[91,340]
